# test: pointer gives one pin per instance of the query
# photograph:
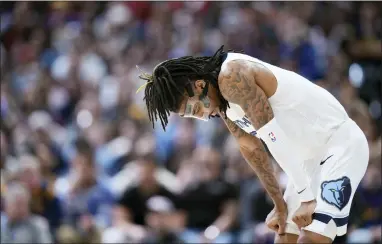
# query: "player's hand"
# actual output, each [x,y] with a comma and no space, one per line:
[303,216]
[276,219]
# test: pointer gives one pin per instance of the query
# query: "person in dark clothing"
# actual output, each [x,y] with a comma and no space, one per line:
[210,203]
[160,219]
[133,200]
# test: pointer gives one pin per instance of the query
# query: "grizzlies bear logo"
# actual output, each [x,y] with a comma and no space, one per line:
[336,192]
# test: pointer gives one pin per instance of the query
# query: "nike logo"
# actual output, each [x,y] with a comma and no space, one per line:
[301,191]
[322,162]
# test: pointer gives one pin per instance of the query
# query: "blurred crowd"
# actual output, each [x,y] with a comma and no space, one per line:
[80,157]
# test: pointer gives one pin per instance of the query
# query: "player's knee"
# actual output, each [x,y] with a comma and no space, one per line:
[304,239]
[311,237]
[286,238]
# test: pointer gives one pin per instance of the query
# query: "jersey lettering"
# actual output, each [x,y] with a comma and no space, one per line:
[244,124]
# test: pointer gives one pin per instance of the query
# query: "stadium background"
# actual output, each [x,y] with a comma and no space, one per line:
[81,163]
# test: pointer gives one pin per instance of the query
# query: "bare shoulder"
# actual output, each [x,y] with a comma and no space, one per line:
[239,83]
[236,65]
[247,74]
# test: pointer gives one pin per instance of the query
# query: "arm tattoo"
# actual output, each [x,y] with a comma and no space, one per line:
[235,130]
[238,85]
[259,161]
[256,156]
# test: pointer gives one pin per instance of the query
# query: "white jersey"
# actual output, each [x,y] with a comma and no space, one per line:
[307,113]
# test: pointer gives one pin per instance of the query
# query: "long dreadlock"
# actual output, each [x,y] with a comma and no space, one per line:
[166,86]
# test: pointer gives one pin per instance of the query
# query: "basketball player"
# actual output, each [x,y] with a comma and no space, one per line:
[308,132]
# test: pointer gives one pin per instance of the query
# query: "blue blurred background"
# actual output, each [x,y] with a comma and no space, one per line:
[81,164]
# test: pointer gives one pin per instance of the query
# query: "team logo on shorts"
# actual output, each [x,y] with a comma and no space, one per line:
[336,192]
[272,136]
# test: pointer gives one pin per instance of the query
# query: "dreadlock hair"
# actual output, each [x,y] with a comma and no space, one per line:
[166,86]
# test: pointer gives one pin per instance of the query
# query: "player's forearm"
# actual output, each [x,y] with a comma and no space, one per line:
[259,161]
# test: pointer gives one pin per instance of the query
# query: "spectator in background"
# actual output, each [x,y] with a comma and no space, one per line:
[359,113]
[240,173]
[76,62]
[121,231]
[261,205]
[210,202]
[18,225]
[366,217]
[161,213]
[3,158]
[3,149]
[133,202]
[46,136]
[180,143]
[87,202]
[44,203]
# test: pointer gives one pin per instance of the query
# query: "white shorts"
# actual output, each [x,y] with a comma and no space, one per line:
[333,181]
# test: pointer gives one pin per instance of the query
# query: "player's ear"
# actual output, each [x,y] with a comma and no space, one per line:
[199,85]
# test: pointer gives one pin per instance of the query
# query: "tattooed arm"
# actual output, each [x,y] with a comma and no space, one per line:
[255,154]
[238,86]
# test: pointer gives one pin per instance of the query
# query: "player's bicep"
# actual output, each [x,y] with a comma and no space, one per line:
[238,85]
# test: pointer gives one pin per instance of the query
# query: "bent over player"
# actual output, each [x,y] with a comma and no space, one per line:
[308,132]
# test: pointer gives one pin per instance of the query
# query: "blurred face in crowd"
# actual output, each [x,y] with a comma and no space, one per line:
[30,174]
[200,107]
[45,157]
[42,136]
[372,179]
[17,203]
[209,163]
[144,145]
[238,167]
[185,136]
[157,221]
[83,168]
[160,212]
[128,129]
[368,11]
[359,113]
[147,172]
